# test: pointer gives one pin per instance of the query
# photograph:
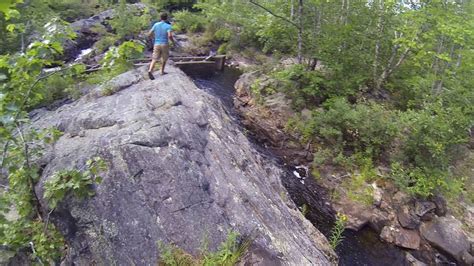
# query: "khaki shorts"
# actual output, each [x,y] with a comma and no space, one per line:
[162,51]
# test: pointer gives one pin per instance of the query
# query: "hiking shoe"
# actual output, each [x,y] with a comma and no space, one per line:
[150,75]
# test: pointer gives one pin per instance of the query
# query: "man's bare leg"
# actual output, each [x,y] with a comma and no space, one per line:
[151,68]
[163,67]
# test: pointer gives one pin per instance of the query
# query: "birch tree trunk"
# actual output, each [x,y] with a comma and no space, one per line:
[292,9]
[300,31]
[380,28]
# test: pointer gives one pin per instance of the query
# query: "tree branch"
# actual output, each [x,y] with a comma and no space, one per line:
[273,14]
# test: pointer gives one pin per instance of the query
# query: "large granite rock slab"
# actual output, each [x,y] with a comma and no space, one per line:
[180,171]
[446,234]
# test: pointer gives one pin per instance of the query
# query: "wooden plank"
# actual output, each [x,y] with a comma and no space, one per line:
[196,57]
[194,62]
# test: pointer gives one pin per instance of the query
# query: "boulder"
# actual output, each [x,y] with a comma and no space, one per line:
[422,207]
[387,234]
[400,198]
[377,194]
[358,215]
[407,218]
[441,205]
[401,237]
[446,234]
[412,261]
[407,238]
[425,209]
[180,171]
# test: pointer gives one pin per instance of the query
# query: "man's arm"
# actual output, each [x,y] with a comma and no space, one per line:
[151,32]
[170,37]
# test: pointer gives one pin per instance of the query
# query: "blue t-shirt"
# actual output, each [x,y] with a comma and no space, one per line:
[161,30]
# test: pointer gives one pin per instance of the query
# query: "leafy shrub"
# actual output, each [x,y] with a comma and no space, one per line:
[186,21]
[47,243]
[228,254]
[223,48]
[71,10]
[434,135]
[302,86]
[431,142]
[129,21]
[106,42]
[75,181]
[223,34]
[365,128]
[116,61]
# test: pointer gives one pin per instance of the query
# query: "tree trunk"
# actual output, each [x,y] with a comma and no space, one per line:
[380,28]
[300,31]
[292,10]
[391,67]
[437,68]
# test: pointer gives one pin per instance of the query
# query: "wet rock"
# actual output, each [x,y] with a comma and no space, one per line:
[259,256]
[379,219]
[357,214]
[268,120]
[387,235]
[428,216]
[175,175]
[412,261]
[407,238]
[306,114]
[424,209]
[446,234]
[401,198]
[467,258]
[401,237]
[377,194]
[441,205]
[407,218]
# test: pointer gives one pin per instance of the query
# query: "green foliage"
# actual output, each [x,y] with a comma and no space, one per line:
[25,84]
[338,229]
[185,21]
[73,181]
[223,35]
[367,128]
[119,57]
[130,21]
[116,61]
[435,134]
[229,253]
[304,87]
[304,209]
[71,10]
[47,243]
[357,185]
[20,198]
[8,5]
[109,40]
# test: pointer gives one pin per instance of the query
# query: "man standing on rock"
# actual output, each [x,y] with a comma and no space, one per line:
[163,34]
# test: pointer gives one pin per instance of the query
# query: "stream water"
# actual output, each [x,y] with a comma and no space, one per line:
[357,248]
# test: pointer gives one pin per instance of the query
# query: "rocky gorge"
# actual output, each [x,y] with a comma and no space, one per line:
[425,228]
